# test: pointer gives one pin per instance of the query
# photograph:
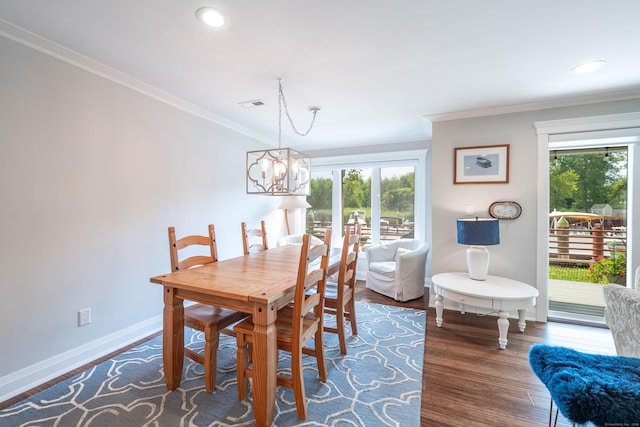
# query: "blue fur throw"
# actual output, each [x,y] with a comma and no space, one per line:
[604,390]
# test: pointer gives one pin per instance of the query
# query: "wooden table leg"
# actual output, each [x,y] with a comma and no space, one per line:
[172,339]
[265,361]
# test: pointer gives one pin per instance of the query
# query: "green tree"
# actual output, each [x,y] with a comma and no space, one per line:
[399,199]
[353,194]
[562,187]
[617,180]
[597,175]
[366,189]
[617,196]
[398,193]
[320,197]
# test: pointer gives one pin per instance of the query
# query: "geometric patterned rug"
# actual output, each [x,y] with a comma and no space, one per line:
[378,383]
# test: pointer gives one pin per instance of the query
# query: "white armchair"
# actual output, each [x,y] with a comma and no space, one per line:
[622,315]
[397,268]
[296,239]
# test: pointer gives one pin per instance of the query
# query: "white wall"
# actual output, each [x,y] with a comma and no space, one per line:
[515,257]
[91,175]
[510,257]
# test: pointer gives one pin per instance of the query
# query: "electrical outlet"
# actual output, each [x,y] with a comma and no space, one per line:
[84,317]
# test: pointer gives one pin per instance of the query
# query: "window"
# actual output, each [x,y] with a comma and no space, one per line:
[397,202]
[319,215]
[387,198]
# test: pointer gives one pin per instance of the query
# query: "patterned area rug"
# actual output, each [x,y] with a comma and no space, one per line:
[377,383]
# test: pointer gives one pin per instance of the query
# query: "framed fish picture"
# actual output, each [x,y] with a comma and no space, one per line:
[487,164]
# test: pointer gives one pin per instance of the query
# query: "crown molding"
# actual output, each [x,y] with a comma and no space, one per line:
[589,124]
[47,47]
[569,101]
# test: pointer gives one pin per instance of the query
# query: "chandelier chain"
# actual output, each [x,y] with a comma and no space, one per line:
[282,101]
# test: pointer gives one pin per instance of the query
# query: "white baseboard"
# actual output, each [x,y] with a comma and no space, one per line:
[32,376]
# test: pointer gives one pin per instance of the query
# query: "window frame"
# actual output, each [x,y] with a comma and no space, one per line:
[376,161]
[612,125]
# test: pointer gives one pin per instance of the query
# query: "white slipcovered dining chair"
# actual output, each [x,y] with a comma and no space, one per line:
[622,315]
[397,268]
[296,239]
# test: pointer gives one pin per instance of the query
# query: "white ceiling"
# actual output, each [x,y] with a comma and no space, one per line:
[381,70]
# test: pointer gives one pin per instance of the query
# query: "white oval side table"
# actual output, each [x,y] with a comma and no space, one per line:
[496,293]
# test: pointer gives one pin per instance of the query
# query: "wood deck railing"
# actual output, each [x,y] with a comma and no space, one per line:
[387,232]
[583,246]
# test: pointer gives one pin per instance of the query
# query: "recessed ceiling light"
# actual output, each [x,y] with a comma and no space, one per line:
[590,66]
[210,16]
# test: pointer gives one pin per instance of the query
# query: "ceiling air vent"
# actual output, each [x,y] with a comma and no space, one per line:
[251,104]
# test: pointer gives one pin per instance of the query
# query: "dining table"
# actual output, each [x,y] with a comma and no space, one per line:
[259,284]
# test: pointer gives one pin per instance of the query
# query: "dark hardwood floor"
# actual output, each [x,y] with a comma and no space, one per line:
[468,380]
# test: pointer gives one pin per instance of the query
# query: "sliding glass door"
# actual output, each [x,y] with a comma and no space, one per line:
[397,202]
[587,227]
[319,215]
[386,193]
[380,199]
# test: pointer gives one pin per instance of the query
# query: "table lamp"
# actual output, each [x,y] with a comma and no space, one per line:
[292,202]
[478,233]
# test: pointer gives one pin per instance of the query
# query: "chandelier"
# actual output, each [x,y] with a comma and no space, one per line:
[281,171]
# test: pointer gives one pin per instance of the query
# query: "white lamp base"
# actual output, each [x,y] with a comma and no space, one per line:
[478,262]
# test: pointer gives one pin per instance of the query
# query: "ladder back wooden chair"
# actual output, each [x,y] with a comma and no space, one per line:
[297,324]
[203,317]
[254,239]
[340,296]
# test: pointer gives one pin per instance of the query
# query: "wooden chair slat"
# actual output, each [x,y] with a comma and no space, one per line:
[248,235]
[297,324]
[202,317]
[341,303]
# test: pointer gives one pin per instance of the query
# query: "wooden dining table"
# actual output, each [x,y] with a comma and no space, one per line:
[258,284]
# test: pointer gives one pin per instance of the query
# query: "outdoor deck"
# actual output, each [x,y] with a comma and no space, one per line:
[578,246]
[578,298]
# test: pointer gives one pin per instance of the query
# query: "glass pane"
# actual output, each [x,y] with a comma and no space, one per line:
[356,201]
[587,227]
[319,214]
[397,202]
